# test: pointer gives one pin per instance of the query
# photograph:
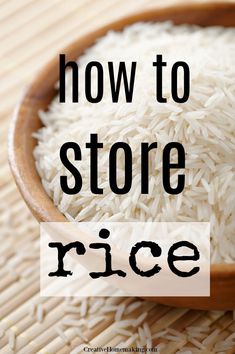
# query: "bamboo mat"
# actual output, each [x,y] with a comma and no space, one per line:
[31,32]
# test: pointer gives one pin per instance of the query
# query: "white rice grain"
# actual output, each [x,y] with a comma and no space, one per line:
[119,312]
[205,125]
[84,307]
[40,313]
[140,319]
[11,339]
[60,332]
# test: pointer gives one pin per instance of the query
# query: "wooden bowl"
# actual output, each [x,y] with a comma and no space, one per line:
[39,95]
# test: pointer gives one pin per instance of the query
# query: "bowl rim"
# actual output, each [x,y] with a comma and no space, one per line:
[219,271]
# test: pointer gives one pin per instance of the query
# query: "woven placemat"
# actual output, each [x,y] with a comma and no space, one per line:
[30,33]
[32,324]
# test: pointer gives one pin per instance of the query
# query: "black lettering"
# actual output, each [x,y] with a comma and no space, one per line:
[62,250]
[173,258]
[100,82]
[174,82]
[64,159]
[167,165]
[156,252]
[104,233]
[94,145]
[128,87]
[159,65]
[113,168]
[62,83]
[145,148]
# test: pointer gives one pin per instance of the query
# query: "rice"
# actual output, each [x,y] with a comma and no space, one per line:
[60,332]
[95,307]
[95,321]
[12,339]
[83,308]
[119,312]
[132,307]
[40,313]
[205,125]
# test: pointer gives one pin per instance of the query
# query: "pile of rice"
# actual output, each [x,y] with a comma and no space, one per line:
[205,125]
